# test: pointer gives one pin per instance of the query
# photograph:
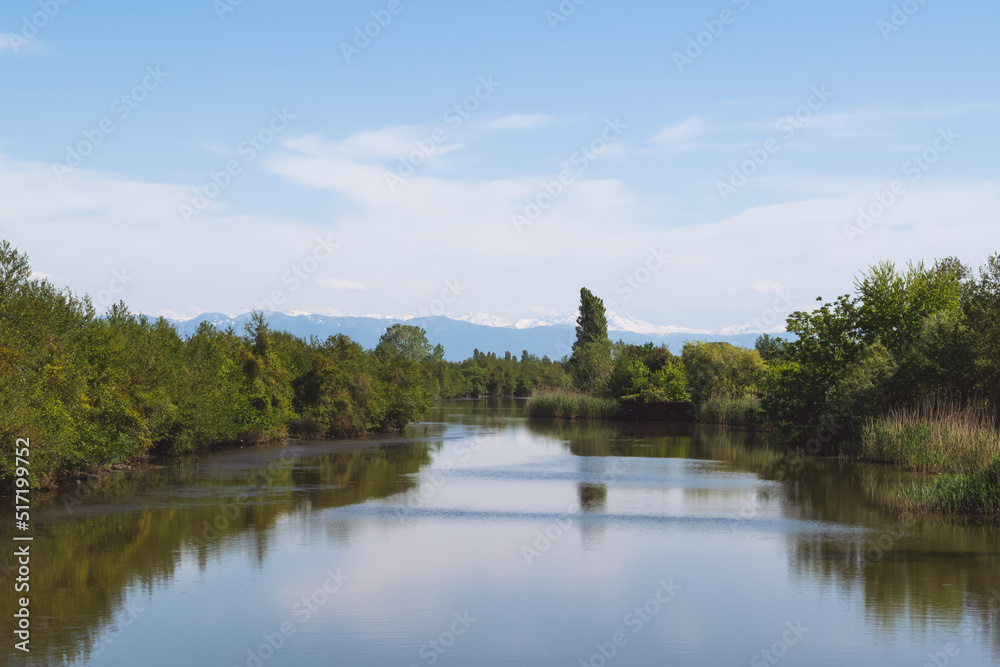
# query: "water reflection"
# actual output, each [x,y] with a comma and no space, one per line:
[915,570]
[128,537]
[593,497]
[435,521]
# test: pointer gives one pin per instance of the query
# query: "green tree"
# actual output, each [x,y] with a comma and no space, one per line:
[721,370]
[405,340]
[592,323]
[982,315]
[591,359]
[591,366]
[900,337]
[15,271]
[771,348]
[475,379]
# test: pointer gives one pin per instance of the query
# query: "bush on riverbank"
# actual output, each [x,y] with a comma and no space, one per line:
[903,337]
[568,405]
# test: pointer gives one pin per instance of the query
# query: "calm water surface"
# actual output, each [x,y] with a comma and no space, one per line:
[482,539]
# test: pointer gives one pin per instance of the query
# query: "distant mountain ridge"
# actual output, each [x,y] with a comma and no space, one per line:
[458,337]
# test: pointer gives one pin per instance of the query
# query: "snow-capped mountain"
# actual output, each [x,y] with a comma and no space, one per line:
[616,322]
[550,336]
[526,323]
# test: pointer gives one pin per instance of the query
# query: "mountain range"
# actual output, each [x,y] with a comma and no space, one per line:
[551,337]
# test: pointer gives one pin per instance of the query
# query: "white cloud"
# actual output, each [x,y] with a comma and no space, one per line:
[883,121]
[518,122]
[385,144]
[94,224]
[399,248]
[749,328]
[768,286]
[682,135]
[800,242]
[342,284]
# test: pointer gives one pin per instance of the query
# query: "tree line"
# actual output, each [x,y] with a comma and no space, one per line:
[92,390]
[903,339]
[99,391]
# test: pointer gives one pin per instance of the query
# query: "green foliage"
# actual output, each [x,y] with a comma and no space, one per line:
[721,370]
[901,337]
[882,363]
[339,396]
[15,271]
[592,323]
[646,373]
[974,493]
[857,391]
[406,341]
[488,374]
[475,378]
[97,391]
[402,383]
[891,306]
[591,361]
[667,384]
[591,365]
[981,312]
[568,405]
[770,348]
[629,378]
[933,437]
[741,412]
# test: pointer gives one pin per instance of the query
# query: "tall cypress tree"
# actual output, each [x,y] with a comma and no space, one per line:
[590,363]
[592,324]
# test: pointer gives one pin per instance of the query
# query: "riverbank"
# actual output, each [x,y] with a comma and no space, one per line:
[79,484]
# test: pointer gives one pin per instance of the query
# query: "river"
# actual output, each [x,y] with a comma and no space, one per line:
[482,538]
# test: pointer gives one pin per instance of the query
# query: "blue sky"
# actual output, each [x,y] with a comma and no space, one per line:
[241,156]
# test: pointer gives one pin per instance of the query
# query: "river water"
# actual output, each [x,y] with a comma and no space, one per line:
[482,538]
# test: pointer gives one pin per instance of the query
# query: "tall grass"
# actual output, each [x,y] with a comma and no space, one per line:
[934,436]
[573,406]
[743,412]
[974,493]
